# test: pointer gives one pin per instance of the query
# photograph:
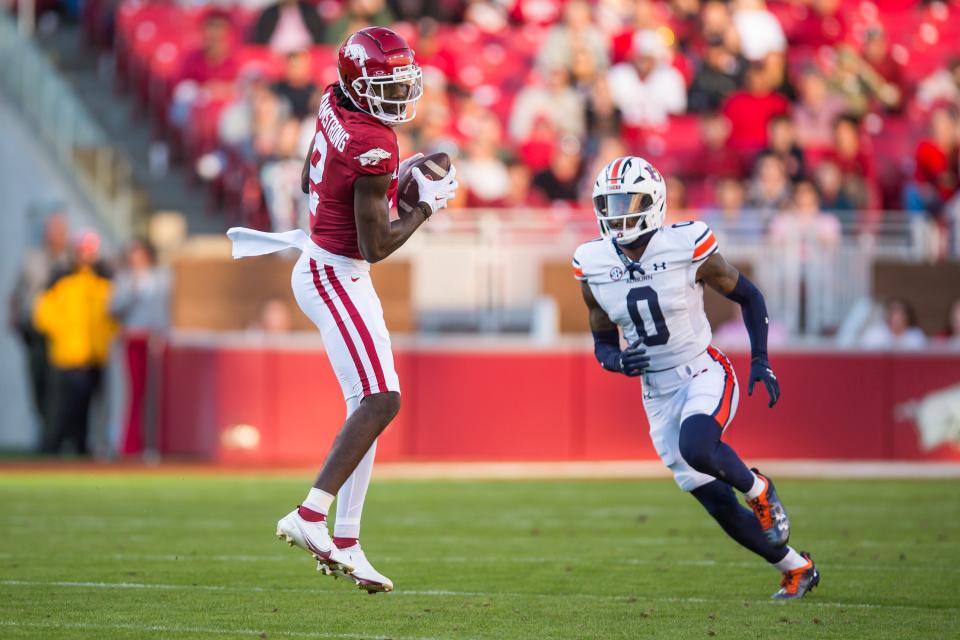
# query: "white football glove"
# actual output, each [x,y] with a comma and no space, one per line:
[435,193]
[409,161]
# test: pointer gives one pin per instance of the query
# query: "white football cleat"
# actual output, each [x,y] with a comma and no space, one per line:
[363,573]
[313,538]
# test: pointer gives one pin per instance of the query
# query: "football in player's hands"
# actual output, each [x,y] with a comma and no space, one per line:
[434,166]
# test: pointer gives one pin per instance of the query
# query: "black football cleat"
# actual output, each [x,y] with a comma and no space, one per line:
[771,514]
[799,582]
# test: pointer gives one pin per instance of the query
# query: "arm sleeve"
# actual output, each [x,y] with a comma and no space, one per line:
[606,346]
[751,302]
[578,270]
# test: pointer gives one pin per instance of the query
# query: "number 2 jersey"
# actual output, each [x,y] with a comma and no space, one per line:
[347,144]
[661,302]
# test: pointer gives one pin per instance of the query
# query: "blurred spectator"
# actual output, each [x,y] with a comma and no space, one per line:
[759,30]
[647,88]
[74,316]
[952,333]
[358,14]
[209,70]
[878,58]
[782,143]
[287,205]
[804,225]
[816,113]
[603,116]
[937,172]
[431,52]
[942,86]
[140,302]
[720,74]
[750,111]
[857,170]
[540,146]
[822,25]
[288,26]
[860,86]
[297,87]
[716,26]
[832,189]
[717,160]
[483,174]
[560,180]
[37,269]
[676,200]
[897,330]
[274,318]
[577,32]
[554,100]
[729,216]
[769,190]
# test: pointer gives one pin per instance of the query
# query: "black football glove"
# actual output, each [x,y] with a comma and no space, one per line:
[760,370]
[634,359]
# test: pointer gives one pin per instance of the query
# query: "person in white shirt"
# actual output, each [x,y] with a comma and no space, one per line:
[898,330]
[759,30]
[648,88]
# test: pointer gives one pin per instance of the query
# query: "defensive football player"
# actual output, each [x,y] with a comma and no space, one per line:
[647,281]
[351,175]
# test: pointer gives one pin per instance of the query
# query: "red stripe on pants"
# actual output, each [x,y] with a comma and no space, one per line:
[361,327]
[340,325]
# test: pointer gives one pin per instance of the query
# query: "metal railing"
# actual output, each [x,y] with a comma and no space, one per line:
[485,266]
[80,147]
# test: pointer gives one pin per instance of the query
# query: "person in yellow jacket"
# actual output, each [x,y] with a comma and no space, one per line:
[74,315]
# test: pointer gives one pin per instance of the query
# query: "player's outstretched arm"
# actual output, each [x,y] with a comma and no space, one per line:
[721,276]
[377,235]
[606,341]
[305,172]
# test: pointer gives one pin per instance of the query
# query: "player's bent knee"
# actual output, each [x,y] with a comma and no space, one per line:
[699,435]
[386,405]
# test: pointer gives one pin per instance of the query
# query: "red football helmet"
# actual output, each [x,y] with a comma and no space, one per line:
[378,72]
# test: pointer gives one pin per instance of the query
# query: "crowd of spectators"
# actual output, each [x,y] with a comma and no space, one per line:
[532,96]
[71,307]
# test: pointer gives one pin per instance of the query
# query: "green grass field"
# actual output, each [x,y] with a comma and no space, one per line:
[193,556]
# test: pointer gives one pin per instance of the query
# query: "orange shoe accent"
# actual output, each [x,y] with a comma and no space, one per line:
[791,579]
[761,505]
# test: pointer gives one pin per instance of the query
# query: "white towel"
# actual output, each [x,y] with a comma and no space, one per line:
[250,242]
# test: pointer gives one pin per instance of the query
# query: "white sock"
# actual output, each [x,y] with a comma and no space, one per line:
[351,496]
[758,486]
[791,561]
[318,500]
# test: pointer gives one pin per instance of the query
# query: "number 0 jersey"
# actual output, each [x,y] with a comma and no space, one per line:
[661,302]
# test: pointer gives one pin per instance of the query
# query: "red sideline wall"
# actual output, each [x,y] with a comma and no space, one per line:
[537,405]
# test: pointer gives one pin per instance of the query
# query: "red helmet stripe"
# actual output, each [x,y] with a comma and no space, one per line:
[615,171]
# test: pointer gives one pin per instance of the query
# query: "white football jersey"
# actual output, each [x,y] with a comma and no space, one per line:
[663,304]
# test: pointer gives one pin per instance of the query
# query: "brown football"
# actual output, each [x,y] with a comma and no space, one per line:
[434,166]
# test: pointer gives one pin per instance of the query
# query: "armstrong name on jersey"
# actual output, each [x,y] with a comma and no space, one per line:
[661,301]
[337,136]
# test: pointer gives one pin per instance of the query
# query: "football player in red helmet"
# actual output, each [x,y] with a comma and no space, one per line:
[351,174]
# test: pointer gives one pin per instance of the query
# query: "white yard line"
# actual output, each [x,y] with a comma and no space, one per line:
[163,628]
[487,560]
[460,594]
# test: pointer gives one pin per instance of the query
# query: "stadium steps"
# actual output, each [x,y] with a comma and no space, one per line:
[169,191]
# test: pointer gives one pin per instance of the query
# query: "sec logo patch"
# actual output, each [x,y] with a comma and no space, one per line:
[616,273]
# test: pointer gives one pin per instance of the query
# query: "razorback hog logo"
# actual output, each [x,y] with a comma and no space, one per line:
[937,416]
[372,157]
[356,52]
